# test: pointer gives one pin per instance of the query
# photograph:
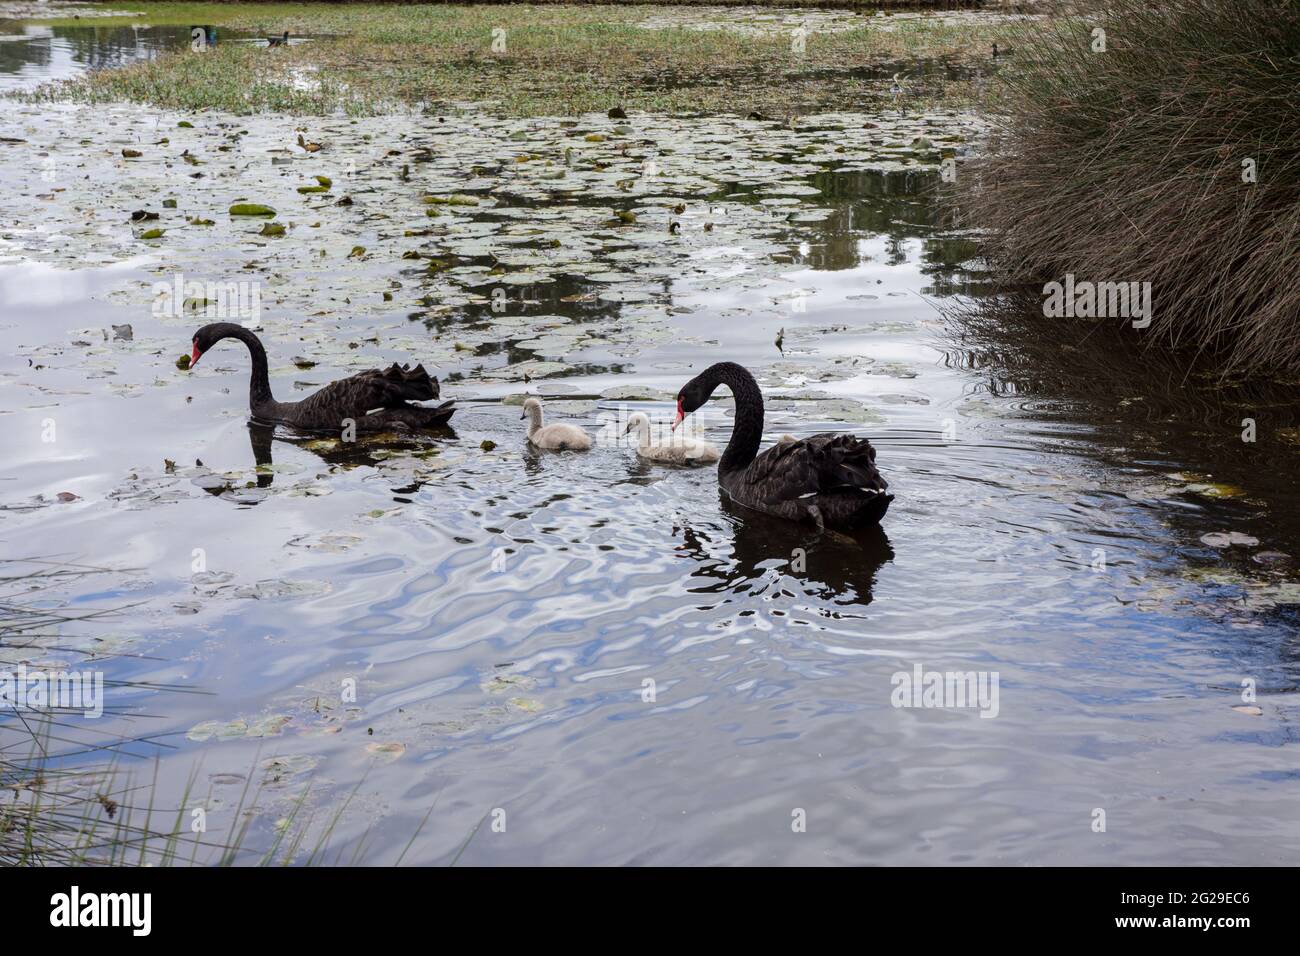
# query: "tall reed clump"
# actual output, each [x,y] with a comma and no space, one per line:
[1171,156]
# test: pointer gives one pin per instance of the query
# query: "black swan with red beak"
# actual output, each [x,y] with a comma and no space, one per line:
[374,401]
[830,480]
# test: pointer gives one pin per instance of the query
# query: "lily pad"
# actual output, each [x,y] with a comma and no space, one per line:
[1229,539]
[386,752]
[251,209]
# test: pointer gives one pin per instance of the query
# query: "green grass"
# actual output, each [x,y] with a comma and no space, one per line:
[559,60]
[184,14]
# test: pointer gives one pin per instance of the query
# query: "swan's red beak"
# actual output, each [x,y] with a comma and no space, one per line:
[194,357]
[680,415]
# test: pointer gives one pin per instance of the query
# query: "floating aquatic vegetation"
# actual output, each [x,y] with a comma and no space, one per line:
[635,393]
[499,231]
[239,728]
[1251,594]
[1178,483]
[825,409]
[251,209]
[506,681]
[1212,489]
[211,579]
[329,542]
[276,588]
[1229,539]
[386,752]
[288,769]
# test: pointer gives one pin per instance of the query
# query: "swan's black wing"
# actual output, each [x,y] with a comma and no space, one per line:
[831,477]
[793,469]
[366,392]
[390,387]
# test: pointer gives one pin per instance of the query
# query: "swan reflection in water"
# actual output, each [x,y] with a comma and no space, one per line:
[768,553]
[745,551]
[334,452]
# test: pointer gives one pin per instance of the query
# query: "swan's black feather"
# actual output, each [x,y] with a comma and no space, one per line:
[823,461]
[828,477]
[367,395]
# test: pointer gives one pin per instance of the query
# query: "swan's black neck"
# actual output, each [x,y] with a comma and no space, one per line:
[747,433]
[259,386]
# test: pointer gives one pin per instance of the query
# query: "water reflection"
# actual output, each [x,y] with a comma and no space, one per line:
[1142,404]
[756,555]
[32,54]
[336,452]
[876,218]
[505,616]
[261,437]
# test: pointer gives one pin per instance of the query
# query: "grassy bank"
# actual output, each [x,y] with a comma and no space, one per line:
[1170,157]
[867,5]
[558,59]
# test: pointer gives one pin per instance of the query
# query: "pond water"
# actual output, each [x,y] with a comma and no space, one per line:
[30,54]
[499,612]
[34,53]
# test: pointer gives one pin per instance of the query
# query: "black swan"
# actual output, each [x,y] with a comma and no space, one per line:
[375,401]
[828,479]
